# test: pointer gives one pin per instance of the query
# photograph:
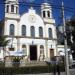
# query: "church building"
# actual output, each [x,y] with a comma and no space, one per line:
[31,35]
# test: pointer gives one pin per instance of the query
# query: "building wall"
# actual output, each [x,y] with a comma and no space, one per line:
[1,54]
[31,18]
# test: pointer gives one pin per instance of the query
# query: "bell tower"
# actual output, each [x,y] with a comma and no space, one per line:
[46,10]
[11,8]
[12,15]
[50,28]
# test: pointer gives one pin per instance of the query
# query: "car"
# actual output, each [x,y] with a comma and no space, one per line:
[72,65]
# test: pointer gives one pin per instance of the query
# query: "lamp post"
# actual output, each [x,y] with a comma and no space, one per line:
[65,42]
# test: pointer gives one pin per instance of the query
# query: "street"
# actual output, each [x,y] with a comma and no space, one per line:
[72,72]
[63,73]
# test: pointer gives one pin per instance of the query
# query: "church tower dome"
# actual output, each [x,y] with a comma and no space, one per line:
[46,10]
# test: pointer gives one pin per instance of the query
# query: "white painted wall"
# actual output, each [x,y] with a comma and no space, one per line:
[1,54]
[25,19]
[7,26]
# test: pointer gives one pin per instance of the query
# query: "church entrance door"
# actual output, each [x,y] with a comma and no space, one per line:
[51,53]
[33,52]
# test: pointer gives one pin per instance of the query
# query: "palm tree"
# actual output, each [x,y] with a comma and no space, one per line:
[3,41]
[3,44]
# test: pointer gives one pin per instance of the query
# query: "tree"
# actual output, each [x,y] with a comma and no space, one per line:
[1,27]
[70,35]
[70,31]
[60,35]
[3,44]
[3,41]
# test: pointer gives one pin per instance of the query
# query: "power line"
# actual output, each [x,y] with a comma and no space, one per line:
[54,6]
[38,5]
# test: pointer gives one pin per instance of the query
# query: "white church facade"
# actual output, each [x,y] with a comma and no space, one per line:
[31,35]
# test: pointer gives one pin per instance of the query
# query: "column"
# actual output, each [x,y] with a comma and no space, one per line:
[38,53]
[28,52]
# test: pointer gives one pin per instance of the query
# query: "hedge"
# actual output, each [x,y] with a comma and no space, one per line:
[28,70]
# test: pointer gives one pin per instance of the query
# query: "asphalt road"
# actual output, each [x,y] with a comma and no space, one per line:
[72,72]
[63,73]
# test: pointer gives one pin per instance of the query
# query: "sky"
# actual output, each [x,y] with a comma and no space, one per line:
[68,4]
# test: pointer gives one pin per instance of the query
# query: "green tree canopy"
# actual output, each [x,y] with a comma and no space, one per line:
[3,41]
[70,31]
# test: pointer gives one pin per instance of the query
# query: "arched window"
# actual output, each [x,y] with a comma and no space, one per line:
[40,31]
[24,49]
[32,31]
[12,8]
[7,10]
[44,14]
[41,50]
[23,30]
[48,13]
[50,32]
[12,28]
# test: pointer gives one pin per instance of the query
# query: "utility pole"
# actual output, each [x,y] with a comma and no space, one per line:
[65,42]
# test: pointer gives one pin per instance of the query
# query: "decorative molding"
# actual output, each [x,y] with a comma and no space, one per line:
[45,38]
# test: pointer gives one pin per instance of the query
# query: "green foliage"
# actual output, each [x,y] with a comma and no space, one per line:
[29,70]
[60,35]
[16,62]
[1,64]
[1,27]
[70,31]
[3,41]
